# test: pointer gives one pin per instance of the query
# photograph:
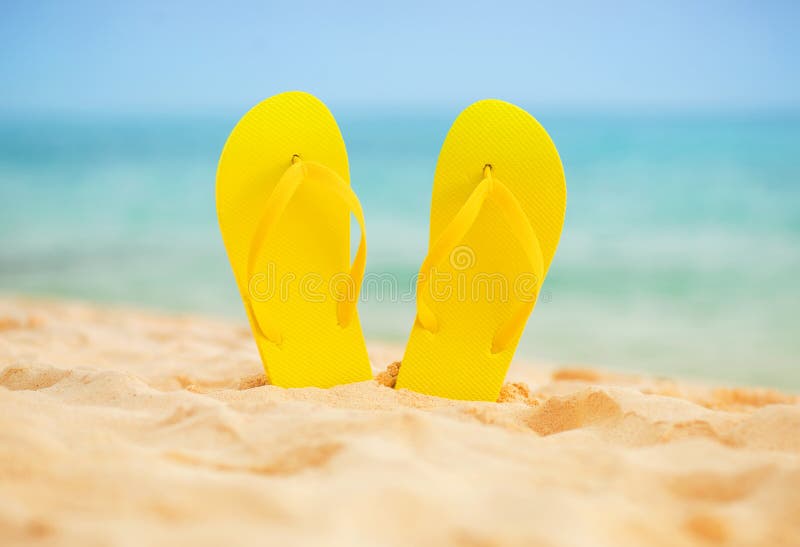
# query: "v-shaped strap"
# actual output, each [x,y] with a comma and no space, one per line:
[324,180]
[489,188]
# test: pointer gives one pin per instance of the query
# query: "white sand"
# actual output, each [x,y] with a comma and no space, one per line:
[131,428]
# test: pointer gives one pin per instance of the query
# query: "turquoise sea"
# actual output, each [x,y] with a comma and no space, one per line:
[680,254]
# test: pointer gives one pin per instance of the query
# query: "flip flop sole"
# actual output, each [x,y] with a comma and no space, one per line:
[480,282]
[297,274]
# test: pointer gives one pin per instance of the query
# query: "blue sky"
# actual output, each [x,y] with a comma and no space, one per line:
[195,56]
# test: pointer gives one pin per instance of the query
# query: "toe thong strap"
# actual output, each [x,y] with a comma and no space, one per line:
[456,230]
[330,185]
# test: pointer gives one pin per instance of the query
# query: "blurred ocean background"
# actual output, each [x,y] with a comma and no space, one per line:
[680,254]
[678,125]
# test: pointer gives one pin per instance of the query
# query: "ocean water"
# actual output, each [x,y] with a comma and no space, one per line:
[680,254]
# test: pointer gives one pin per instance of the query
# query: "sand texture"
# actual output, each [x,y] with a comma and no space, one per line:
[132,428]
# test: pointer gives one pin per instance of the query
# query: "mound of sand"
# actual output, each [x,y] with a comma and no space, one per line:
[124,427]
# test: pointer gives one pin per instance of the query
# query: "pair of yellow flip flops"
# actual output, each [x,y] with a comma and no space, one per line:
[284,204]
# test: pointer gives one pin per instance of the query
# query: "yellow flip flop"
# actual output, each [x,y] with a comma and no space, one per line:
[499,198]
[284,203]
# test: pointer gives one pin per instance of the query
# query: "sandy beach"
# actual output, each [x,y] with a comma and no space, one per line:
[130,427]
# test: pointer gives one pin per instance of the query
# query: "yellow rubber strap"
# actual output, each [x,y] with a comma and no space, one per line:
[325,180]
[489,188]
